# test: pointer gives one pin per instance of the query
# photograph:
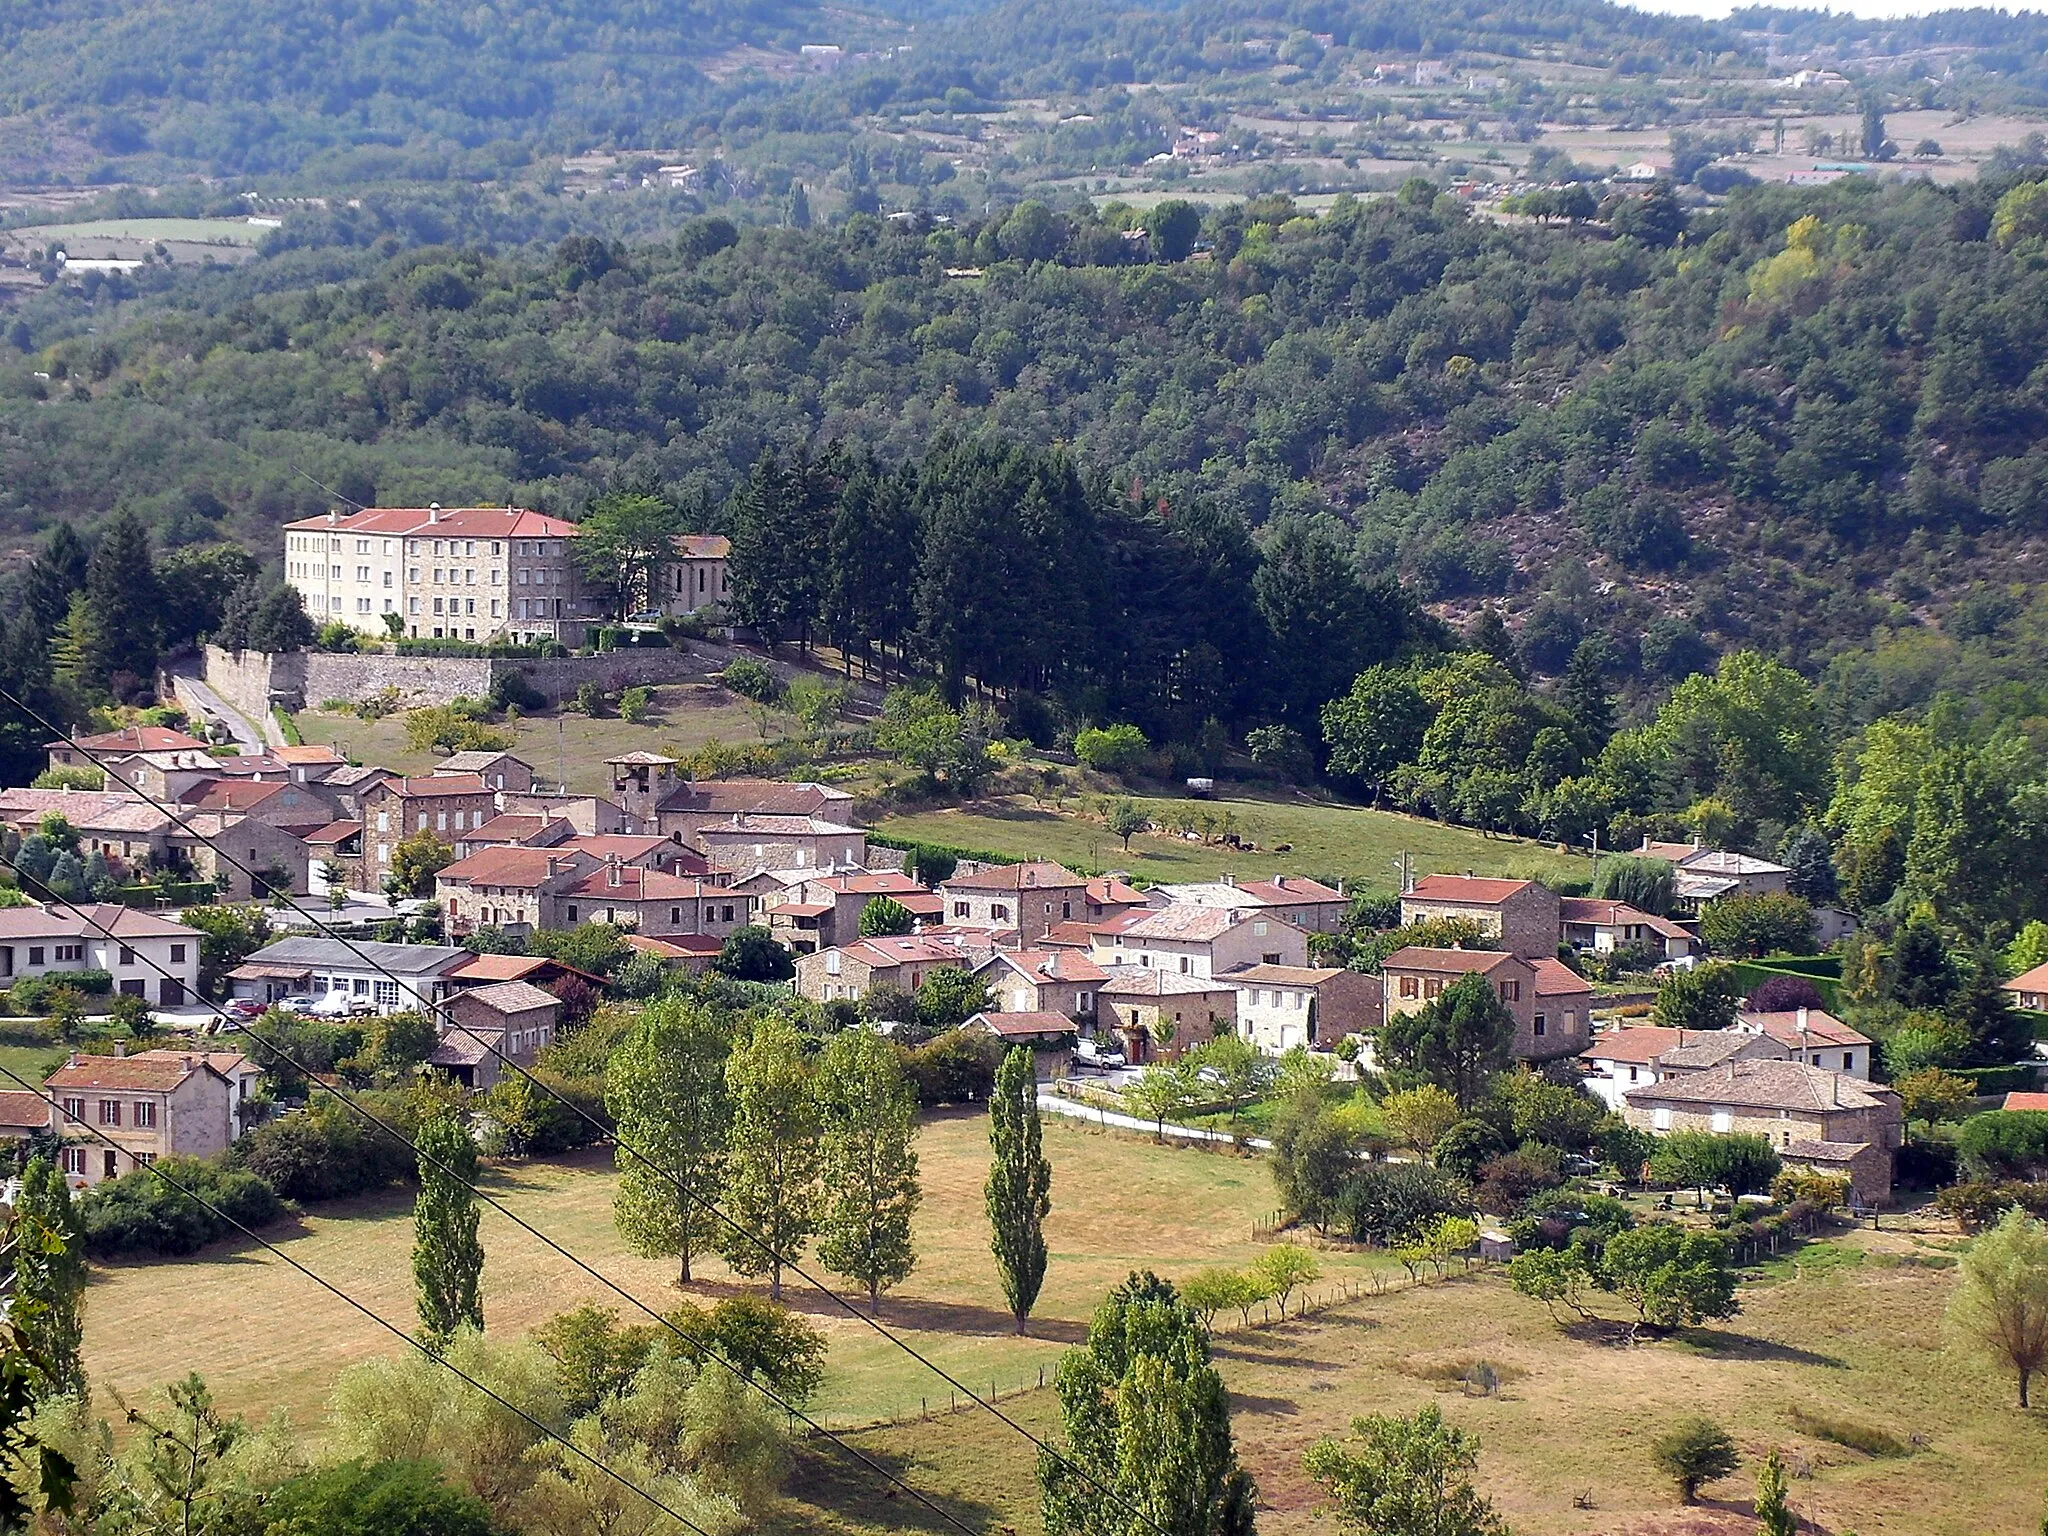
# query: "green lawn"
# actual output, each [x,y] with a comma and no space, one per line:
[1327,841]
[685,717]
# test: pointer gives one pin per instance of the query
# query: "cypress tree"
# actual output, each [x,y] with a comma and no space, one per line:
[447,1255]
[1019,1183]
[49,1276]
[1583,693]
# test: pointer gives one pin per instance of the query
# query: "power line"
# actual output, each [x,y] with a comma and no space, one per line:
[388,1326]
[711,1207]
[353,1103]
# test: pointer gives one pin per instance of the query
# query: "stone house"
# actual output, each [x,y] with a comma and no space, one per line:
[1308,904]
[744,843]
[817,912]
[696,578]
[276,803]
[851,971]
[2029,989]
[1814,1036]
[1523,914]
[108,749]
[509,888]
[1160,1015]
[1060,981]
[1028,898]
[1534,991]
[647,901]
[444,806]
[1282,1006]
[498,770]
[1200,941]
[484,1027]
[1814,1117]
[152,1106]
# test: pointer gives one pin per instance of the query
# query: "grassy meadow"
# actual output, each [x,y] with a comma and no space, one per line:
[1850,1333]
[1328,840]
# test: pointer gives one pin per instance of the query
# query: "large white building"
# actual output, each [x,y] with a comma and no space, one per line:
[464,573]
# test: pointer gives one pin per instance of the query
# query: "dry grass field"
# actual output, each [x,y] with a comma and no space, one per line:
[1851,1332]
[265,1335]
[1852,1342]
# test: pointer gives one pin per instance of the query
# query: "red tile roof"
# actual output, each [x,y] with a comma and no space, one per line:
[1420,957]
[703,546]
[2035,980]
[636,884]
[1291,891]
[1556,979]
[24,1111]
[1036,875]
[1051,964]
[432,786]
[1822,1028]
[1011,1026]
[1478,891]
[333,832]
[468,522]
[230,794]
[1639,1044]
[507,865]
[137,738]
[626,845]
[155,1073]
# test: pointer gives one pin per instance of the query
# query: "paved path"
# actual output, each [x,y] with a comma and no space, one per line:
[214,707]
[1060,1105]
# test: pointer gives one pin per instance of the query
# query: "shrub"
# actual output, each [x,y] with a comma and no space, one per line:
[955,1068]
[1867,1438]
[1387,1203]
[515,690]
[32,994]
[1112,749]
[751,678]
[634,704]
[75,777]
[141,1213]
[1695,1451]
[1785,994]
[2006,1144]
[330,1152]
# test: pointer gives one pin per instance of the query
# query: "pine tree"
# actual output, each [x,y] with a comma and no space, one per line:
[869,1114]
[280,622]
[781,522]
[121,597]
[772,1192]
[57,571]
[871,560]
[665,1087]
[1019,1183]
[447,1255]
[1583,693]
[883,916]
[49,1276]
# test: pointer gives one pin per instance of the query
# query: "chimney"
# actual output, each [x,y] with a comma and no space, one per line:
[434,512]
[120,1049]
[1802,1022]
[1231,881]
[611,869]
[1279,882]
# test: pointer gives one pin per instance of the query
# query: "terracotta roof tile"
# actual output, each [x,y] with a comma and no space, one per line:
[1478,891]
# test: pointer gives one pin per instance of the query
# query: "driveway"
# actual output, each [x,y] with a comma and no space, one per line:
[198,696]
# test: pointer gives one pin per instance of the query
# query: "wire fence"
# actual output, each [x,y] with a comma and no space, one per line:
[1312,1302]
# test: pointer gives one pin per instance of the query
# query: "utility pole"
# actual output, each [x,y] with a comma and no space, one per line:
[1593,837]
[1401,868]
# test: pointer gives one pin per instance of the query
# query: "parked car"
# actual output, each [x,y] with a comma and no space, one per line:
[299,1002]
[245,1008]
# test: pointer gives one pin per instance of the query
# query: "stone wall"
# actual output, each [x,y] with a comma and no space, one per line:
[254,680]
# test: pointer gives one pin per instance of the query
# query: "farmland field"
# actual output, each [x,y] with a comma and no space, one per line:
[1328,841]
[190,231]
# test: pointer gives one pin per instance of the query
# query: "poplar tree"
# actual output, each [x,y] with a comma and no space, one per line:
[447,1256]
[665,1089]
[869,1112]
[49,1276]
[1019,1183]
[772,1192]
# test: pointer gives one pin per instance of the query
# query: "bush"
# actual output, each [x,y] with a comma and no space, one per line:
[141,1213]
[1387,1203]
[1867,1438]
[2006,1144]
[31,994]
[634,704]
[1558,1218]
[1112,749]
[1784,994]
[395,1498]
[330,1152]
[955,1068]
[515,690]
[753,679]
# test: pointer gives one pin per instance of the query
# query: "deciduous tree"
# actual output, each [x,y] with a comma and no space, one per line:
[1999,1308]
[772,1189]
[869,1114]
[447,1254]
[665,1087]
[1404,1476]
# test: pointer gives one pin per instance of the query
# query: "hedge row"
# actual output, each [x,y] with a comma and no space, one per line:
[1754,973]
